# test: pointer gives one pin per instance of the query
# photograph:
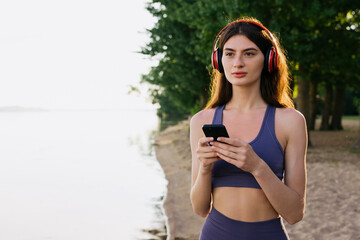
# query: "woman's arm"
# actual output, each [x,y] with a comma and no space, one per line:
[203,157]
[287,199]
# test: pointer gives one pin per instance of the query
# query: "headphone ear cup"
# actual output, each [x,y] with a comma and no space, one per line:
[266,62]
[270,60]
[220,65]
[275,59]
[213,59]
[216,60]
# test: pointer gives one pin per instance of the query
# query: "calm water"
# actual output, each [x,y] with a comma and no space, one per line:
[79,175]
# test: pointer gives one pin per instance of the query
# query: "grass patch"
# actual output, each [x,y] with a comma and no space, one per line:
[356,117]
[353,150]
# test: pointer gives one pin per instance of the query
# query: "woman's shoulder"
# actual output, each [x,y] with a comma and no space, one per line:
[202,117]
[290,114]
[290,117]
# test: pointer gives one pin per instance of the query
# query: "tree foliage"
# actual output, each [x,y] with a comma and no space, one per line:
[180,79]
[321,38]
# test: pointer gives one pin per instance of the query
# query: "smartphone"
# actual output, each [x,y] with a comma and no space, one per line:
[215,131]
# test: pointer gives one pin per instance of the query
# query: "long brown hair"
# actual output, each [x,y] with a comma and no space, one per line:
[274,86]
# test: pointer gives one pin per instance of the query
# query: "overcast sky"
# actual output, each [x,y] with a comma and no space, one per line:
[77,54]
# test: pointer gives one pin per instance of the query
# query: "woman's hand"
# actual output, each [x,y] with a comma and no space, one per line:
[206,154]
[238,153]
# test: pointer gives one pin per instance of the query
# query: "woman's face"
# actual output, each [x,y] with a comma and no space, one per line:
[242,60]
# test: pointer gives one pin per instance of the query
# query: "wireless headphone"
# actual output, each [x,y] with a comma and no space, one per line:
[271,56]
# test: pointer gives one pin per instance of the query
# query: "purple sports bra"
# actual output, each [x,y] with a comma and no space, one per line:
[265,145]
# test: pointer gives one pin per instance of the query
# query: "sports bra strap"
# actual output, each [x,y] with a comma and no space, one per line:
[271,118]
[218,116]
[271,127]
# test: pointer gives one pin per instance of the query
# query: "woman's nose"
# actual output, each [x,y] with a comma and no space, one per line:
[238,61]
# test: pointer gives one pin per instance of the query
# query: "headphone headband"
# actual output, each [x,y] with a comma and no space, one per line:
[245,21]
[270,64]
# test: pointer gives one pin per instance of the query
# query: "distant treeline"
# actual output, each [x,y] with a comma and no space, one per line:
[322,40]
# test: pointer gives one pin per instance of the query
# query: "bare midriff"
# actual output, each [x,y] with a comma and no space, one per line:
[243,204]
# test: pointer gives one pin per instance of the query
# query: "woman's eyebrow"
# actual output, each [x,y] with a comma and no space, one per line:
[244,50]
[249,49]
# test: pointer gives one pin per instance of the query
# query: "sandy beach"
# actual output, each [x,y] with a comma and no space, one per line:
[333,170]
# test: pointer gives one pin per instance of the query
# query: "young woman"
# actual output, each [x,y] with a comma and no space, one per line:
[244,183]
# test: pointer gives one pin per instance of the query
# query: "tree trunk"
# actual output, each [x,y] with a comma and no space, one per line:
[303,103]
[327,107]
[338,108]
[302,100]
[312,105]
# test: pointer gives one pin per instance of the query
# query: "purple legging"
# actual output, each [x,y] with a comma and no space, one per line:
[219,227]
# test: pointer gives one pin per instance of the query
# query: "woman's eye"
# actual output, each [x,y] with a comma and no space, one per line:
[249,54]
[229,54]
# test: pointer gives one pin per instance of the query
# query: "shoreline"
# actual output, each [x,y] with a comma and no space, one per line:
[333,171]
[173,153]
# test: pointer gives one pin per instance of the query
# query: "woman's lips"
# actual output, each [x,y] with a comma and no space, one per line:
[239,74]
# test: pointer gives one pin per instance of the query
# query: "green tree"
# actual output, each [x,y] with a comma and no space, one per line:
[315,33]
[179,80]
